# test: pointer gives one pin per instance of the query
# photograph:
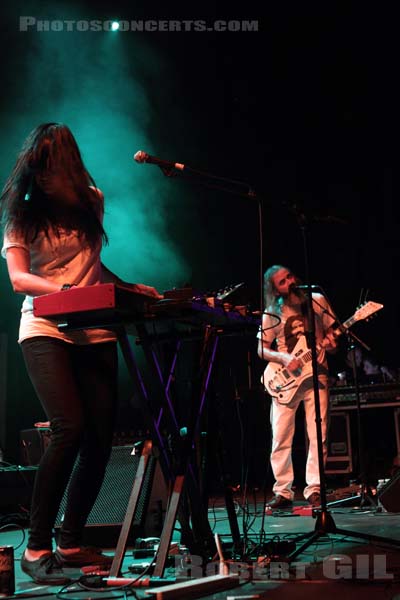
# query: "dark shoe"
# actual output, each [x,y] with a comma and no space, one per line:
[46,570]
[278,502]
[87,555]
[314,500]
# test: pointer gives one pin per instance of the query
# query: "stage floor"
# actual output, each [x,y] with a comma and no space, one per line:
[367,570]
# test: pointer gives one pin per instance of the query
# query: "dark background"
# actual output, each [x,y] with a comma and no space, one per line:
[305,110]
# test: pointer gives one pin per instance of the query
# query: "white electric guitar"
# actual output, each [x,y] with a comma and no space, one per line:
[282,384]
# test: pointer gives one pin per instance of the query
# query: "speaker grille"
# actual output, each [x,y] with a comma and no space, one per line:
[111,504]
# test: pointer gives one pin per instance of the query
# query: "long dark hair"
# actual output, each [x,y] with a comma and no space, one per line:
[25,208]
[273,301]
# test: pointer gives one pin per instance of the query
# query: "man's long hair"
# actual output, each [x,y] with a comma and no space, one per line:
[273,301]
[26,209]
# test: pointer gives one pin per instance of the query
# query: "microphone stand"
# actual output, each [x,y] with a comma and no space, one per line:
[366,496]
[243,189]
[325,523]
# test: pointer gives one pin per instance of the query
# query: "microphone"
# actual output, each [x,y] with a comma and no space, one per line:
[143,157]
[304,287]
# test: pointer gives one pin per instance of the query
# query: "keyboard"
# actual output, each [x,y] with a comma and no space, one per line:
[106,304]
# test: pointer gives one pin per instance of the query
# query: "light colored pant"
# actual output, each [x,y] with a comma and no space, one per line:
[283,426]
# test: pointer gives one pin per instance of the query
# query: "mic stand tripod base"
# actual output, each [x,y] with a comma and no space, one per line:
[326,525]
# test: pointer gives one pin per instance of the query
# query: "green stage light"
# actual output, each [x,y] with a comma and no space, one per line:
[114,26]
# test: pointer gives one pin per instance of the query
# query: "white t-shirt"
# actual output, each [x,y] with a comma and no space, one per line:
[61,259]
[285,334]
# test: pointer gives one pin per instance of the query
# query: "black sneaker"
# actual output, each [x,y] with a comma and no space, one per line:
[46,570]
[278,502]
[314,500]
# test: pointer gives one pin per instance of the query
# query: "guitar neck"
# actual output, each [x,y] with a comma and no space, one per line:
[362,313]
[338,331]
[346,325]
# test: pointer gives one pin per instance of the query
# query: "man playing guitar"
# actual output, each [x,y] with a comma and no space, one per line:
[277,339]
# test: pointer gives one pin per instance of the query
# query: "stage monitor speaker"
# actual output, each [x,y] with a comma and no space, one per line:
[340,456]
[389,495]
[105,520]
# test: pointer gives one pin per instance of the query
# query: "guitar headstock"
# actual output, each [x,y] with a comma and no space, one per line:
[366,310]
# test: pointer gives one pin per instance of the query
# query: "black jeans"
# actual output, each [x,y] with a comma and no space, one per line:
[77,387]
